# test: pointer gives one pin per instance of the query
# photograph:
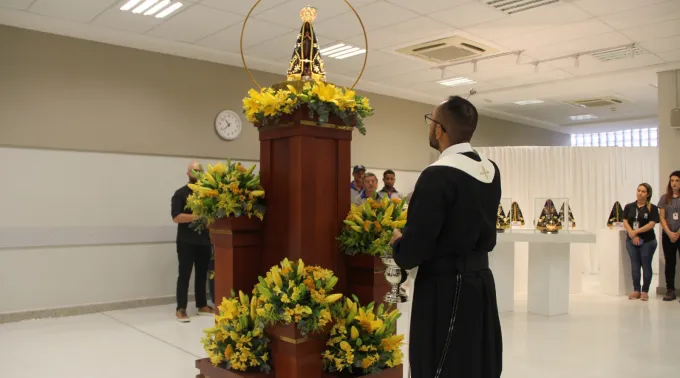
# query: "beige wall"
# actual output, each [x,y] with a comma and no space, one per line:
[669,144]
[64,93]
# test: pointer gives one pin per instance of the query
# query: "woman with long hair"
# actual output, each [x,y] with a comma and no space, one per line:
[639,219]
[669,212]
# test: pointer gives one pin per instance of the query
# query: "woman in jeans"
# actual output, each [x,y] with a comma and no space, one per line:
[639,218]
[669,211]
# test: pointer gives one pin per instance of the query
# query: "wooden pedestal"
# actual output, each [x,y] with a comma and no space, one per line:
[396,372]
[366,276]
[207,370]
[238,250]
[294,355]
[305,172]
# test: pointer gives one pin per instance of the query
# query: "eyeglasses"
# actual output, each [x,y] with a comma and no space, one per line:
[428,118]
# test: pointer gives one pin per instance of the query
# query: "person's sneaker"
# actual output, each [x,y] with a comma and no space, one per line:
[644,297]
[182,316]
[634,295]
[206,311]
[670,295]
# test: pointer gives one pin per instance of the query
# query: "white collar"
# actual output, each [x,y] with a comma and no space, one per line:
[456,149]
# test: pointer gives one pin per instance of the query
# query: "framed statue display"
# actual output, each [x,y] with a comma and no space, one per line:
[615,219]
[503,218]
[547,217]
[571,223]
[515,215]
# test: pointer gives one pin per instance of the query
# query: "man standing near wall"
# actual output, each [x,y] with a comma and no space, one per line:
[389,190]
[193,250]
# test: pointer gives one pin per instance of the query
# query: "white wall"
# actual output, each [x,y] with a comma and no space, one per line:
[85,228]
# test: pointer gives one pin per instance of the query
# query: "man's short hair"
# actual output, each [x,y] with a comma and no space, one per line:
[463,114]
[369,174]
[388,172]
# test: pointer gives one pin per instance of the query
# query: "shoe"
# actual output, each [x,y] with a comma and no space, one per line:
[182,316]
[206,311]
[645,297]
[670,295]
[634,295]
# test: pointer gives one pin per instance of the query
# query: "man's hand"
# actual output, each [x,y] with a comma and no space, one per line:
[674,236]
[632,234]
[396,234]
[636,240]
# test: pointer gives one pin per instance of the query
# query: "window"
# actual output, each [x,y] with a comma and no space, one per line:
[621,138]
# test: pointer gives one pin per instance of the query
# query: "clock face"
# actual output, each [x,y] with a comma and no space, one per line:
[228,125]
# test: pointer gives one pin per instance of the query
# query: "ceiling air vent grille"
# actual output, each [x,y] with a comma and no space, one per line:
[448,50]
[516,6]
[597,102]
[618,53]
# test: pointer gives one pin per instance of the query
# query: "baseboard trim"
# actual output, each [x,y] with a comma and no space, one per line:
[12,317]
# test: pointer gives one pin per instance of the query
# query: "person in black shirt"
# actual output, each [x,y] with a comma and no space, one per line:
[639,219]
[193,250]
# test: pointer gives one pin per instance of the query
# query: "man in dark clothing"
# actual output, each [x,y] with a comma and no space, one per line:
[193,249]
[451,228]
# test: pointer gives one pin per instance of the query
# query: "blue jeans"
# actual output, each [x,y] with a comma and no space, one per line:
[641,257]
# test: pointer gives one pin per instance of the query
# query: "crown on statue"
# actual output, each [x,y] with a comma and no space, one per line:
[306,62]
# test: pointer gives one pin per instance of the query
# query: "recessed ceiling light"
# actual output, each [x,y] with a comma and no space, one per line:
[160,8]
[582,117]
[341,51]
[529,102]
[456,81]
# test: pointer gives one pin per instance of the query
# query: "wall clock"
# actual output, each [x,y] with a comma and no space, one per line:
[228,125]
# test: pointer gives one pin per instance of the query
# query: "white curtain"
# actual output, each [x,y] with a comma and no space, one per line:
[592,178]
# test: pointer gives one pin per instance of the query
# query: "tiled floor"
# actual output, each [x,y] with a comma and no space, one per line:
[601,337]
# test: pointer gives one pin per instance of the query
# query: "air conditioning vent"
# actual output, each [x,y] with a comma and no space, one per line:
[448,50]
[596,102]
[516,6]
[618,53]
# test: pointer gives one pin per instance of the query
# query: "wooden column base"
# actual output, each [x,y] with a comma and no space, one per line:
[295,356]
[207,370]
[395,372]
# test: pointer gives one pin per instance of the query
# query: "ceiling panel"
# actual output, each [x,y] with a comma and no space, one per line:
[16,4]
[277,49]
[75,10]
[195,23]
[662,45]
[670,56]
[650,32]
[429,6]
[427,75]
[531,78]
[402,33]
[374,16]
[602,41]
[589,65]
[241,7]
[648,15]
[606,7]
[393,69]
[557,34]
[288,14]
[529,21]
[114,18]
[468,14]
[256,32]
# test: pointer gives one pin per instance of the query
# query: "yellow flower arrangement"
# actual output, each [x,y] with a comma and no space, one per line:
[363,339]
[322,99]
[237,341]
[226,190]
[294,293]
[368,227]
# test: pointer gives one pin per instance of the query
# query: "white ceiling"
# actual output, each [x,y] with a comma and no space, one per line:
[210,30]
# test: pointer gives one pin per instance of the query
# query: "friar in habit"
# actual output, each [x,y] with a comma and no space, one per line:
[450,230]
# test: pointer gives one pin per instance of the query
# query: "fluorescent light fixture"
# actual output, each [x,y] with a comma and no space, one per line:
[583,117]
[456,81]
[341,51]
[529,102]
[350,54]
[169,10]
[157,7]
[129,5]
[145,5]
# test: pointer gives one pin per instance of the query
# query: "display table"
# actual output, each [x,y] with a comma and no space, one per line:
[615,269]
[549,269]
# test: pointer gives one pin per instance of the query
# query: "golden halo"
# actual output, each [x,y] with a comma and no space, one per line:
[243,58]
